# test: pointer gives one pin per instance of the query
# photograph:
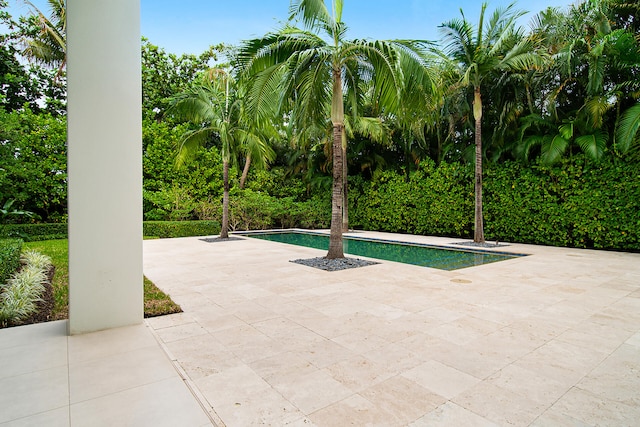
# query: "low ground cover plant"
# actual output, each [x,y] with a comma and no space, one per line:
[20,295]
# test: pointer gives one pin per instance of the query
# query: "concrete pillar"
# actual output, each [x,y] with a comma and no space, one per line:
[104,164]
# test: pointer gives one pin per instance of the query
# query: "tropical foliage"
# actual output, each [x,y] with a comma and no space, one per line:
[309,74]
[529,135]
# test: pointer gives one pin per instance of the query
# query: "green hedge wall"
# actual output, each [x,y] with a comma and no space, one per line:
[573,204]
[164,229]
[34,232]
[10,250]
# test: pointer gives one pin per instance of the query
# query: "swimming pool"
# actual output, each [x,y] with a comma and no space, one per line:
[409,253]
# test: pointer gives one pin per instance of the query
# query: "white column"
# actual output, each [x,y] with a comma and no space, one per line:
[104,164]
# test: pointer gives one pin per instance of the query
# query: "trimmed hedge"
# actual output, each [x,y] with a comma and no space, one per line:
[10,250]
[164,229]
[37,232]
[34,232]
[574,203]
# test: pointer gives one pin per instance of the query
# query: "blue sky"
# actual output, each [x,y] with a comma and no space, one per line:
[190,26]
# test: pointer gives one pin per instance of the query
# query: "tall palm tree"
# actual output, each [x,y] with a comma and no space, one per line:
[49,45]
[482,51]
[317,74]
[215,104]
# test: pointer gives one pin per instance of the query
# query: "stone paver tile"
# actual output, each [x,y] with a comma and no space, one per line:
[441,379]
[442,314]
[176,319]
[498,405]
[634,340]
[538,328]
[180,332]
[166,403]
[322,325]
[451,414]
[394,358]
[562,361]
[358,373]
[259,347]
[237,336]
[264,408]
[464,330]
[324,353]
[528,384]
[595,410]
[250,312]
[617,378]
[312,391]
[393,330]
[590,335]
[202,355]
[282,368]
[425,345]
[553,417]
[230,385]
[219,323]
[360,342]
[402,398]
[476,360]
[354,410]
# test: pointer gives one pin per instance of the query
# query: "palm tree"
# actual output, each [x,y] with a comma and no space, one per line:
[215,104]
[299,66]
[481,52]
[48,45]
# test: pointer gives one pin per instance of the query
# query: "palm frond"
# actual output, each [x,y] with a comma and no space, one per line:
[593,145]
[553,147]
[628,128]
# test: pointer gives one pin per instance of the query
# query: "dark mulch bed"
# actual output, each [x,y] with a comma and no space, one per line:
[336,264]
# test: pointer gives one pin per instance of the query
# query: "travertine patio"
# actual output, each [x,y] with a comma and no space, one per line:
[548,339]
[551,339]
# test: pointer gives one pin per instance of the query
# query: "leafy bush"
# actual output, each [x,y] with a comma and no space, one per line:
[22,292]
[164,229]
[33,155]
[570,204]
[251,210]
[9,258]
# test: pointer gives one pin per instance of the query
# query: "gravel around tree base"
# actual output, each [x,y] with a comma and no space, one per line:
[220,239]
[336,264]
[482,245]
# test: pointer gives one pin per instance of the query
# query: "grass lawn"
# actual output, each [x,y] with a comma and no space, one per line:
[156,302]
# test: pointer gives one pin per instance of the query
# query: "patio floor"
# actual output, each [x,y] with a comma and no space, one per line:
[551,339]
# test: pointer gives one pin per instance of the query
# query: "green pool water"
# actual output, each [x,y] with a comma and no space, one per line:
[416,254]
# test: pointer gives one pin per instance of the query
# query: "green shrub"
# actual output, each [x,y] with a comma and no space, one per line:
[9,258]
[574,203]
[164,229]
[34,232]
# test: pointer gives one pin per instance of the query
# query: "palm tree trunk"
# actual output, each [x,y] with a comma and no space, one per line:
[335,239]
[245,171]
[345,190]
[224,231]
[337,118]
[478,235]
